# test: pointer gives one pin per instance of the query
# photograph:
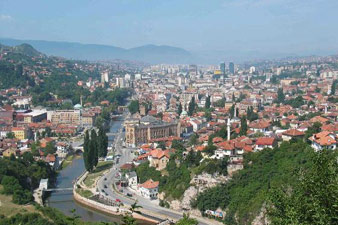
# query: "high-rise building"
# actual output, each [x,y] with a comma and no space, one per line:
[232,68]
[193,70]
[104,77]
[252,69]
[222,67]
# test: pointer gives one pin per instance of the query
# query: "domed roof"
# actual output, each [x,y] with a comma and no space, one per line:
[148,119]
[77,106]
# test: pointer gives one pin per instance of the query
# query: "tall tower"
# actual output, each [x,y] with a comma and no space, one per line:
[222,68]
[228,129]
[232,68]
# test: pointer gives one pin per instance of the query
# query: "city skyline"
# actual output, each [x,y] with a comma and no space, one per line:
[278,27]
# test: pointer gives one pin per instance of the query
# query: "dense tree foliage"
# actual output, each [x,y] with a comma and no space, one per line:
[280,96]
[91,148]
[19,182]
[251,115]
[102,143]
[134,106]
[208,102]
[244,126]
[186,220]
[245,194]
[295,102]
[12,75]
[220,103]
[179,109]
[311,200]
[192,106]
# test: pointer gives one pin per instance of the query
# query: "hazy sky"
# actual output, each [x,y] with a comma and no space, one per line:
[227,25]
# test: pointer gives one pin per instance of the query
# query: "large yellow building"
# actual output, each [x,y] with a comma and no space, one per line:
[139,131]
[20,132]
[72,117]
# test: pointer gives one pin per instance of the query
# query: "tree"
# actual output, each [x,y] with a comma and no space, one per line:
[134,106]
[186,220]
[244,126]
[93,148]
[86,153]
[251,115]
[207,102]
[10,135]
[192,106]
[208,116]
[102,143]
[50,148]
[161,145]
[232,111]
[312,200]
[179,109]
[333,87]
[280,96]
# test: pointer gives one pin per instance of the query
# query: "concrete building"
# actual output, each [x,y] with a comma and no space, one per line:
[140,131]
[149,189]
[35,116]
[72,117]
[20,133]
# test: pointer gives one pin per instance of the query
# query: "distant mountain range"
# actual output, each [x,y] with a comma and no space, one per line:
[94,52]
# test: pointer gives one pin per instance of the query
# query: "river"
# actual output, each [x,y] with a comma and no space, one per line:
[64,200]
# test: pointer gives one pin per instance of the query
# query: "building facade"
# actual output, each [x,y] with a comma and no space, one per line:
[140,131]
[66,117]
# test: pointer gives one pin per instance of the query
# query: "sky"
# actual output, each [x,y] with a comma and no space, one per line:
[284,26]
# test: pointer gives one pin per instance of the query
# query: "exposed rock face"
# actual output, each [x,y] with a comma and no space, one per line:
[175,205]
[199,184]
[261,218]
[189,194]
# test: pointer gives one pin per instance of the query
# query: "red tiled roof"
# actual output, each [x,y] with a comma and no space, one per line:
[265,141]
[150,184]
[293,133]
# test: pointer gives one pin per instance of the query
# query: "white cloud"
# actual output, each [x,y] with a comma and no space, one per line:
[4,17]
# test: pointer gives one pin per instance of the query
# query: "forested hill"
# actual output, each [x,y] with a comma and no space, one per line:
[24,49]
[49,80]
[291,182]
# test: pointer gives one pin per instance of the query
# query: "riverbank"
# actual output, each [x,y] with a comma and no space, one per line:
[111,210]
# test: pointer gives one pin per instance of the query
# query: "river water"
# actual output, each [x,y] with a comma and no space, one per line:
[64,200]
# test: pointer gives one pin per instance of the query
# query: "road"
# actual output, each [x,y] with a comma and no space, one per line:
[107,181]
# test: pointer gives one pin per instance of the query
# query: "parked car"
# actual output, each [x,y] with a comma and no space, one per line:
[105,186]
[129,195]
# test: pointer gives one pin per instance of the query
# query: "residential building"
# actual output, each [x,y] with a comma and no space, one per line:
[149,189]
[323,140]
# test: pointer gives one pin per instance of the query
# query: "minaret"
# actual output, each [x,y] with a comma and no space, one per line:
[81,100]
[228,130]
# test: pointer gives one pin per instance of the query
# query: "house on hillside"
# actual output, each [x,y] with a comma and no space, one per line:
[149,189]
[159,158]
[292,133]
[265,142]
[322,140]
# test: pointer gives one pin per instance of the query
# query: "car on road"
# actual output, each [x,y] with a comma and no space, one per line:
[129,195]
[105,186]
[105,178]
[102,190]
[118,200]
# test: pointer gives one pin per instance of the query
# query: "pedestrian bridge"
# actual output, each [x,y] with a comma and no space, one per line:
[58,189]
